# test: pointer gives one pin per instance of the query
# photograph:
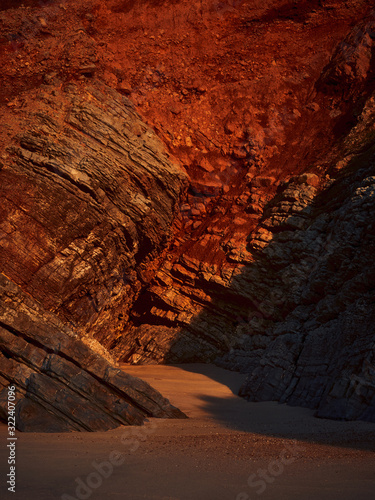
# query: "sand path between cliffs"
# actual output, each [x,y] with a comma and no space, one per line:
[228,449]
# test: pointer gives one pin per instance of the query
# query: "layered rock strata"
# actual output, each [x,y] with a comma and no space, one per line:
[87,198]
[302,281]
[268,106]
[61,384]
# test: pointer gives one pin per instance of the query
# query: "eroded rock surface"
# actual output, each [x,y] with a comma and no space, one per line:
[261,264]
[322,354]
[61,384]
[294,305]
[87,199]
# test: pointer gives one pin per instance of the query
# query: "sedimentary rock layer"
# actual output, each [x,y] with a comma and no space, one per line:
[87,198]
[61,384]
[284,306]
[265,257]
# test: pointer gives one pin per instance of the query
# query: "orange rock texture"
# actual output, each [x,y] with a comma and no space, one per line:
[191,181]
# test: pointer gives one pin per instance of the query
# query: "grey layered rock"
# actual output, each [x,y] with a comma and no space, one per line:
[322,355]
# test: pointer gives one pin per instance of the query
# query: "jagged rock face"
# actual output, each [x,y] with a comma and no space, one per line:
[322,354]
[268,106]
[304,308]
[61,384]
[302,283]
[213,278]
[87,198]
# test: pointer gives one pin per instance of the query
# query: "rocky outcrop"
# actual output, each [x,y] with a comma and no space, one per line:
[61,384]
[87,198]
[269,108]
[322,354]
[302,281]
[303,309]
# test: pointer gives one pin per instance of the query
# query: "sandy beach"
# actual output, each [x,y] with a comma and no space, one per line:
[228,449]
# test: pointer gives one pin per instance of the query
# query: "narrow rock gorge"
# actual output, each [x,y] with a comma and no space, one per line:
[186,181]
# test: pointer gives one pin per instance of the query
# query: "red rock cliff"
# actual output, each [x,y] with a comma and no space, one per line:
[249,240]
